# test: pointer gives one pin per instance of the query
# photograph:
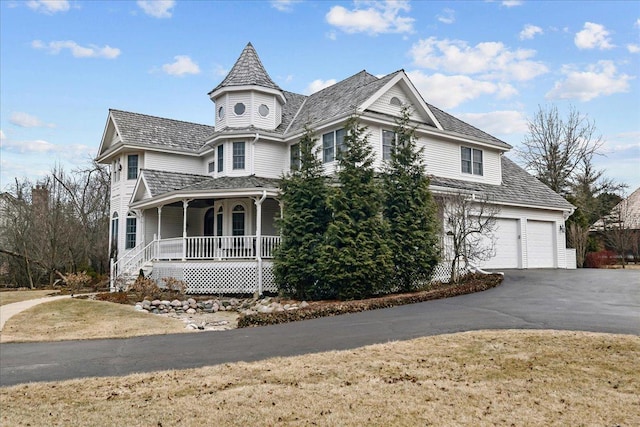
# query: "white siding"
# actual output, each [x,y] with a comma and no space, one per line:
[244,120]
[270,159]
[174,163]
[221,101]
[443,159]
[382,104]
[268,122]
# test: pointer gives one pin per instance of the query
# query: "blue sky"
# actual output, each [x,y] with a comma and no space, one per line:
[490,63]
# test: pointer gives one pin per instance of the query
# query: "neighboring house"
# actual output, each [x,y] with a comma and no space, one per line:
[199,202]
[625,214]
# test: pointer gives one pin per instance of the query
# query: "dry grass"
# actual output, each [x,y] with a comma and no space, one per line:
[9,297]
[475,378]
[66,319]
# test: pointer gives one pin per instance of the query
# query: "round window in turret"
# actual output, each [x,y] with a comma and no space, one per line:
[239,109]
[263,110]
[221,112]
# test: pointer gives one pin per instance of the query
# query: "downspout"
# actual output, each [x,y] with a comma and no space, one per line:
[258,203]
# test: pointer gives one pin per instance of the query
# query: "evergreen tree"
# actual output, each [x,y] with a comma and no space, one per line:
[303,224]
[356,260]
[409,210]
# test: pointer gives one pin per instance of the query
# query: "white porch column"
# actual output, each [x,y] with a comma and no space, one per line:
[159,223]
[185,205]
[258,202]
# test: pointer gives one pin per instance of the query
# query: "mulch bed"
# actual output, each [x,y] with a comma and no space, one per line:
[471,283]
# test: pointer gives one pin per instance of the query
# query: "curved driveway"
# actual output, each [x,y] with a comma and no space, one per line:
[586,300]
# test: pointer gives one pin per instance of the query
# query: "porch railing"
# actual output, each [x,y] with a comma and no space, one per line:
[190,248]
[228,247]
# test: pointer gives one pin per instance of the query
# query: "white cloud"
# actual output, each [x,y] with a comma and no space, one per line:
[76,50]
[593,36]
[181,66]
[637,23]
[529,31]
[512,3]
[28,121]
[378,17]
[597,80]
[318,84]
[2,135]
[498,122]
[38,146]
[633,48]
[489,59]
[157,8]
[284,5]
[448,16]
[451,91]
[48,6]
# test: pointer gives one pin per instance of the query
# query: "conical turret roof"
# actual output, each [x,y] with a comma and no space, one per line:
[248,71]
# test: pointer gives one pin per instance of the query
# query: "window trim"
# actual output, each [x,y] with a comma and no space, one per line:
[220,158]
[131,230]
[336,147]
[294,156]
[386,154]
[239,165]
[473,167]
[132,170]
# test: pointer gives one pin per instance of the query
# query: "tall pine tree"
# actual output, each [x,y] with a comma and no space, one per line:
[356,261]
[303,223]
[410,210]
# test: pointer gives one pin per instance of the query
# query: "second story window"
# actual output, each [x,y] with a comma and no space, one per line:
[294,157]
[220,154]
[388,143]
[238,155]
[211,166]
[471,160]
[132,166]
[332,144]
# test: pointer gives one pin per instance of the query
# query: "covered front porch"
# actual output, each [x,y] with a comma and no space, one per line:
[200,236]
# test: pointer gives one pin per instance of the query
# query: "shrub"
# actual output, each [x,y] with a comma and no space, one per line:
[77,281]
[599,259]
[117,297]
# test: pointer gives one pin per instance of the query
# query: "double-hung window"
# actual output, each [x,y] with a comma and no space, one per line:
[130,237]
[332,145]
[132,166]
[294,156]
[220,158]
[238,155]
[471,160]
[389,140]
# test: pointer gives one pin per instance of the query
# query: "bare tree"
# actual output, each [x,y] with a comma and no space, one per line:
[618,231]
[578,237]
[470,222]
[555,147]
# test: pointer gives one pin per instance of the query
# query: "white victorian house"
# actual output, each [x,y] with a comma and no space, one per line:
[199,203]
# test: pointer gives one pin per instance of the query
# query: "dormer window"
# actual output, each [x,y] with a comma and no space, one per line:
[239,109]
[263,110]
[221,112]
[471,160]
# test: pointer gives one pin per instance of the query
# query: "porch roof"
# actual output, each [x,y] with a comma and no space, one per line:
[170,187]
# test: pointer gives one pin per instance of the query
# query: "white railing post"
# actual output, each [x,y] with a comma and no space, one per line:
[112,278]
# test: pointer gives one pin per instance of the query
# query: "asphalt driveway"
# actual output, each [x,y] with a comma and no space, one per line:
[585,300]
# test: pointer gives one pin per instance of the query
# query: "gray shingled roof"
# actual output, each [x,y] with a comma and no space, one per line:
[518,187]
[154,131]
[248,71]
[160,182]
[338,99]
[453,124]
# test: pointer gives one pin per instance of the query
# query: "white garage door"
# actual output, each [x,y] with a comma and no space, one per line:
[507,245]
[541,244]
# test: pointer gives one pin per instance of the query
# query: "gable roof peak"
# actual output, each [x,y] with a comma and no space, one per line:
[247,71]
